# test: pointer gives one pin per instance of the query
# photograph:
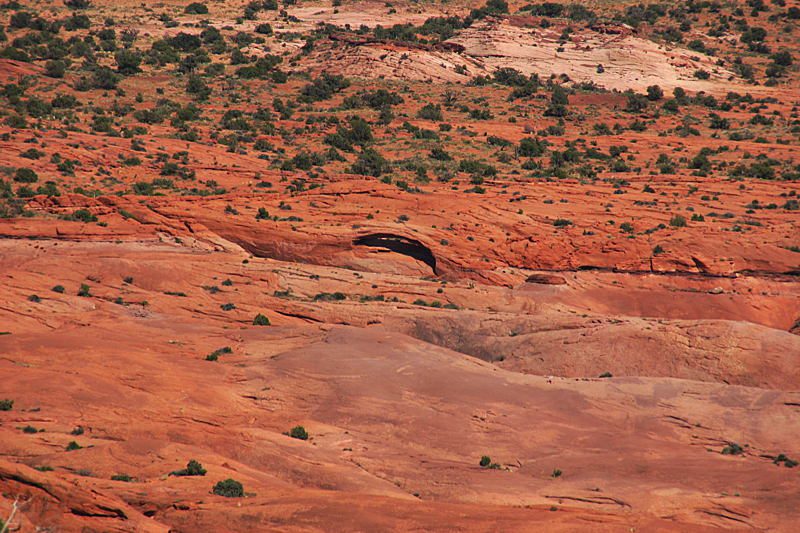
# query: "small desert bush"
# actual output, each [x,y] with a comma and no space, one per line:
[194,468]
[229,488]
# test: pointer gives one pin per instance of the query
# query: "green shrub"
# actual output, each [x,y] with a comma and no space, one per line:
[78,4]
[677,221]
[719,123]
[261,320]
[229,488]
[782,59]
[49,189]
[84,215]
[6,405]
[532,147]
[559,96]
[143,188]
[21,19]
[602,129]
[122,477]
[264,29]
[485,461]
[732,449]
[323,88]
[104,78]
[431,112]
[194,468]
[654,93]
[59,289]
[25,192]
[298,432]
[370,163]
[337,140]
[67,166]
[55,69]
[788,463]
[329,297]
[84,290]
[34,298]
[510,77]
[381,98]
[636,102]
[439,154]
[11,52]
[26,175]
[562,223]
[481,114]
[213,356]
[73,446]
[198,87]
[196,8]
[476,168]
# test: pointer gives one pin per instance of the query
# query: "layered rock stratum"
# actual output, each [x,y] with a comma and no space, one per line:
[598,334]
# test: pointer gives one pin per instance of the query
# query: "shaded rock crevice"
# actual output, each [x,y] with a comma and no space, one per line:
[401,245]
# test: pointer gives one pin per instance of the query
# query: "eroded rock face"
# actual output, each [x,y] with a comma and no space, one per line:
[546,279]
[388,416]
[716,351]
[621,341]
[627,61]
[442,224]
[404,396]
[43,501]
[608,55]
[392,407]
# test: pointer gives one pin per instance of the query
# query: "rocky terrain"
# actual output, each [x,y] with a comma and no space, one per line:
[374,267]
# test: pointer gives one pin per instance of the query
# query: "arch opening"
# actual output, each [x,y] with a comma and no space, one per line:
[400,245]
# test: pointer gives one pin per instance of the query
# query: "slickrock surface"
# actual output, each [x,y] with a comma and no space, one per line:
[500,280]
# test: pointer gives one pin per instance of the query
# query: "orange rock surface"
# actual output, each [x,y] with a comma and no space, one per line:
[520,352]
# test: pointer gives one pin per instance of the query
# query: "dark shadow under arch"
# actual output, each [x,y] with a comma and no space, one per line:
[400,245]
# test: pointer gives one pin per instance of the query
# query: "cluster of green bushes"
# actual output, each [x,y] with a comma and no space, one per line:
[436,304]
[213,356]
[228,488]
[358,133]
[575,12]
[486,462]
